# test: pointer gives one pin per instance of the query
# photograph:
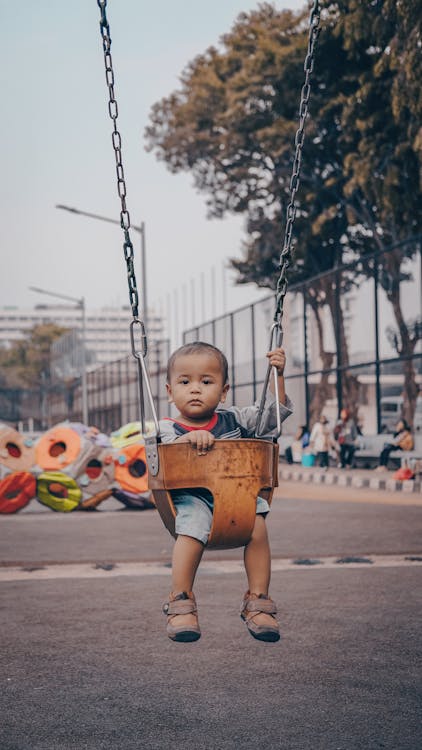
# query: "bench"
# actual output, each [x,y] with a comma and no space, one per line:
[369,448]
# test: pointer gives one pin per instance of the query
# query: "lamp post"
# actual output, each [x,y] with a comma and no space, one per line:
[141,230]
[81,304]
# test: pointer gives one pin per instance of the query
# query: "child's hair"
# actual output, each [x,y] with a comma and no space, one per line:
[199,347]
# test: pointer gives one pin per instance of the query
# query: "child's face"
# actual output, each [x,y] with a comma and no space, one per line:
[196,385]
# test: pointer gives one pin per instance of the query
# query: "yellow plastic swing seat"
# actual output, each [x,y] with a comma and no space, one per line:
[234,471]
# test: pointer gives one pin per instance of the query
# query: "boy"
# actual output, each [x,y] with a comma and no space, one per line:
[321,441]
[197,382]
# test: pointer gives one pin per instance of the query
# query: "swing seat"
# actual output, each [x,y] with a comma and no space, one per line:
[234,471]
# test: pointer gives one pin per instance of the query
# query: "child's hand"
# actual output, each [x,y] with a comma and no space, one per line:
[202,440]
[277,359]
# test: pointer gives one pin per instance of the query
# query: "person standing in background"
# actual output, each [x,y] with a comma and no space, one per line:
[294,451]
[345,434]
[321,441]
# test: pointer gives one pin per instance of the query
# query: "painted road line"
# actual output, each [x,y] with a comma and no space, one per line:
[102,570]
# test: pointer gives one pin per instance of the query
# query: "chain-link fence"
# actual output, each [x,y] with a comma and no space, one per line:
[353,338]
[113,392]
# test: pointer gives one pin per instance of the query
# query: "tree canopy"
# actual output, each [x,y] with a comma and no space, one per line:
[27,361]
[232,124]
[233,119]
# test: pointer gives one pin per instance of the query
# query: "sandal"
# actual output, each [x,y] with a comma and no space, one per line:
[252,605]
[181,604]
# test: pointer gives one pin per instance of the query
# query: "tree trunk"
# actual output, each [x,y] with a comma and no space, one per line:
[349,382]
[406,343]
[322,389]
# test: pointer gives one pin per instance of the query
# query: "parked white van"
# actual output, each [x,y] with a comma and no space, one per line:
[392,410]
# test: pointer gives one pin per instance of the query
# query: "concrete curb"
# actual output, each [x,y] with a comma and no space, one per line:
[350,479]
[215,567]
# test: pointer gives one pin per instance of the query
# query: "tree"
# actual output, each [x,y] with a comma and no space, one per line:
[232,125]
[27,362]
[383,149]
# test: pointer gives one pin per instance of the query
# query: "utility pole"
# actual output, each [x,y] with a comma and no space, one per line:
[81,304]
[141,230]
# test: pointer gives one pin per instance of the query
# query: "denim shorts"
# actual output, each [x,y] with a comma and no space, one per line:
[194,513]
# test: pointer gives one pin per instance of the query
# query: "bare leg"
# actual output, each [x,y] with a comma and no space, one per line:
[257,559]
[187,553]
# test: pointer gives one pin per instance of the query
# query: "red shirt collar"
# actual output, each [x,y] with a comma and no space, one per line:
[209,426]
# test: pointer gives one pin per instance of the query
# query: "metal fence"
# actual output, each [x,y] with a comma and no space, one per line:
[353,338]
[113,392]
[113,395]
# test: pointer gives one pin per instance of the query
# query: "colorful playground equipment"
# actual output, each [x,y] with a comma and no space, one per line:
[16,451]
[16,491]
[58,491]
[98,475]
[73,467]
[129,434]
[132,477]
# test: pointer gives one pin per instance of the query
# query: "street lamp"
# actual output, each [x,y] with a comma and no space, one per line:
[81,303]
[141,230]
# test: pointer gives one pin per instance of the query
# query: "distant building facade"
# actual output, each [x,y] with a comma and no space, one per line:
[107,336]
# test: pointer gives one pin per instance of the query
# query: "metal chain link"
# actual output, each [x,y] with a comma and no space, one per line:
[276,334]
[286,253]
[117,146]
[140,352]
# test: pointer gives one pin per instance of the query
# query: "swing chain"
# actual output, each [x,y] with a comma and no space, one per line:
[276,335]
[136,326]
[286,253]
[117,146]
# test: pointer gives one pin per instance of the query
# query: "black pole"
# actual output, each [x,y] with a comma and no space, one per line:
[253,351]
[157,378]
[305,364]
[377,352]
[233,378]
[339,379]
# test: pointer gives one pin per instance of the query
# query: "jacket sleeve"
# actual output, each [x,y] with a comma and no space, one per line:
[167,431]
[246,417]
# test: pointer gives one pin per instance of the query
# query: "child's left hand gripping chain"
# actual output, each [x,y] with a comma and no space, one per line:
[277,358]
[202,440]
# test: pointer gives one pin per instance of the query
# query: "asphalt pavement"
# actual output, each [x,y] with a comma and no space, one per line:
[86,664]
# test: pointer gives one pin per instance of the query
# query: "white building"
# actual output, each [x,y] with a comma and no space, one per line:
[107,334]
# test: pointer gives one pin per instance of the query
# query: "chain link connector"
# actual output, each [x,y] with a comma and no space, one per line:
[125,219]
[143,350]
[116,139]
[143,378]
[102,6]
[276,340]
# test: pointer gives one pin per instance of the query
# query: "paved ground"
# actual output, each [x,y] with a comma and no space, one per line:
[86,663]
[306,520]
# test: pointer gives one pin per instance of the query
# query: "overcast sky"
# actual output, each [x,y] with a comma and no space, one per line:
[56,148]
